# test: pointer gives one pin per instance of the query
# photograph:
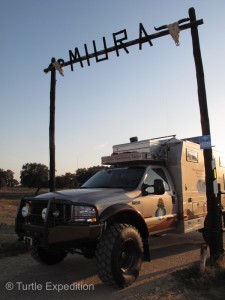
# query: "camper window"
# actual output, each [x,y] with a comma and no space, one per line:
[192,155]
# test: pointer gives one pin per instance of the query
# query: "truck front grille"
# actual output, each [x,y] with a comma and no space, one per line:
[41,211]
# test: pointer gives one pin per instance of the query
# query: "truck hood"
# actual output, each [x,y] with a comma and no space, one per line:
[99,197]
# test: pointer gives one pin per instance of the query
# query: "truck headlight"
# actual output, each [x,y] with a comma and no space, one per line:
[25,211]
[83,214]
[43,213]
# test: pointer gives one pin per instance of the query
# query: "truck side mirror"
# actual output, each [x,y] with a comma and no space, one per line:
[158,188]
[144,189]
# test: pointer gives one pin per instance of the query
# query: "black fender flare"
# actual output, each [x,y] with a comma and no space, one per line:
[127,214]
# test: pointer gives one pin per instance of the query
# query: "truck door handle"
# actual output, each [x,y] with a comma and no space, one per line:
[135,202]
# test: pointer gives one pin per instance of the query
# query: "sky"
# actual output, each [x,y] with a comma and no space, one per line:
[146,93]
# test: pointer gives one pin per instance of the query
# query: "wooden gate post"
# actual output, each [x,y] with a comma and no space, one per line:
[52,129]
[212,228]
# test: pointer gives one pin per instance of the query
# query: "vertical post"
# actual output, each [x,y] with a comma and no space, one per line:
[52,129]
[212,230]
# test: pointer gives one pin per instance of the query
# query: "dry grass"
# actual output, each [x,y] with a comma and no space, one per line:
[9,201]
[210,285]
[8,209]
[18,192]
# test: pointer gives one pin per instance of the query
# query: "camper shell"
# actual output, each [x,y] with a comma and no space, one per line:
[184,161]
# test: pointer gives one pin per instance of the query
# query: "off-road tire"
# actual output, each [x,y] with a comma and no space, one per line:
[119,255]
[45,256]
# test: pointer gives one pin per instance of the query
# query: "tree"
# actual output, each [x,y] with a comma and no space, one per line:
[66,181]
[2,178]
[7,178]
[34,175]
[15,182]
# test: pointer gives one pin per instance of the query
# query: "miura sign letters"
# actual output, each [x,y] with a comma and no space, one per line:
[121,41]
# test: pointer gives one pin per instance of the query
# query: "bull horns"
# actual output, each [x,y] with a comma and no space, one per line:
[166,26]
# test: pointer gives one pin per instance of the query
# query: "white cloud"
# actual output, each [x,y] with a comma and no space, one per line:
[101,146]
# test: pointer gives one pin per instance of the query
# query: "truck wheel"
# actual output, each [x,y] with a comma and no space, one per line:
[45,256]
[119,255]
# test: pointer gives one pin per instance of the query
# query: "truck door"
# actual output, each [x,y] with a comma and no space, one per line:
[160,211]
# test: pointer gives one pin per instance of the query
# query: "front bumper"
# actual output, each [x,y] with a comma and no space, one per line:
[54,230]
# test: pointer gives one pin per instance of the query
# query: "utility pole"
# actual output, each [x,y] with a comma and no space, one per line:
[52,129]
[212,230]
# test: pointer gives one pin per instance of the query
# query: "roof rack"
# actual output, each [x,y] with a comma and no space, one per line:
[148,146]
[130,157]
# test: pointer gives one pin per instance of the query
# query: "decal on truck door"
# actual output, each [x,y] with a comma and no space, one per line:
[160,212]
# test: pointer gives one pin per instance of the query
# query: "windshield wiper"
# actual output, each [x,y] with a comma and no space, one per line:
[96,187]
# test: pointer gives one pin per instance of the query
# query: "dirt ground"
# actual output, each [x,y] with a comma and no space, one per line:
[171,255]
[23,278]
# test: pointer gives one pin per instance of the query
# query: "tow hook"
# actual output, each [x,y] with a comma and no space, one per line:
[28,240]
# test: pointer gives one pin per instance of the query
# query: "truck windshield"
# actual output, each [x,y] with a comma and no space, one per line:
[124,178]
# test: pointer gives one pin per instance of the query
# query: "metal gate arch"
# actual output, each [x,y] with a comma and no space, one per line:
[214,232]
